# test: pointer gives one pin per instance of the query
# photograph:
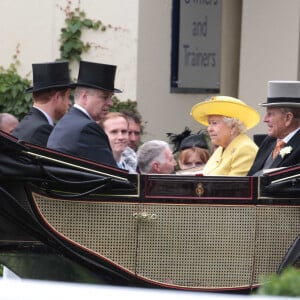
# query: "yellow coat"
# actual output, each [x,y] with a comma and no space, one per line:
[236,160]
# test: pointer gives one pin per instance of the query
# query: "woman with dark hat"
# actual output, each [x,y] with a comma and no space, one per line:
[227,119]
[51,100]
[193,152]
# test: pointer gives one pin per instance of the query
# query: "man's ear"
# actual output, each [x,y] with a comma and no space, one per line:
[155,167]
[289,117]
[55,98]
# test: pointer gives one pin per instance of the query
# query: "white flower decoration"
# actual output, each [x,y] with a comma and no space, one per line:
[285,150]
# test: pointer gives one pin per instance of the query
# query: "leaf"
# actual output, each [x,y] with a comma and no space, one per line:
[75,27]
[285,284]
[88,23]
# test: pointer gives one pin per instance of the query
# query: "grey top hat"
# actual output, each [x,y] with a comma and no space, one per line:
[283,94]
[52,75]
[97,76]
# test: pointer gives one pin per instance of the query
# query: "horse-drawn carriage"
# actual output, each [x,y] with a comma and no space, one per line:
[65,218]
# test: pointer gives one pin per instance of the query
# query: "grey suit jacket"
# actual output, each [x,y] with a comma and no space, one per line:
[33,128]
[78,135]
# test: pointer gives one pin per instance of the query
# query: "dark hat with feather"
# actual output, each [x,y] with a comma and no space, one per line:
[185,140]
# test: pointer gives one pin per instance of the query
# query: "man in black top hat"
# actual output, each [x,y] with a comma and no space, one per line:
[51,100]
[281,148]
[78,132]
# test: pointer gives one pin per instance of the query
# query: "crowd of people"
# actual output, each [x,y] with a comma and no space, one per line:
[89,130]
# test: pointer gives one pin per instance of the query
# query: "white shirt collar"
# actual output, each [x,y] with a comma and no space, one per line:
[83,110]
[50,121]
[290,135]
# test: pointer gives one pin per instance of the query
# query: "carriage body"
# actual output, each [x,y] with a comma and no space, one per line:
[65,218]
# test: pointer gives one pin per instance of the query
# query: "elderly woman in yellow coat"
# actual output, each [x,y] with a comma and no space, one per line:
[227,119]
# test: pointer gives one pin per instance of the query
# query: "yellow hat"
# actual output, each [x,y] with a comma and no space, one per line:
[225,106]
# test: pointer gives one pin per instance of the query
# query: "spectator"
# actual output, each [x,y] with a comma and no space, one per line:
[51,100]
[227,119]
[135,129]
[193,152]
[115,125]
[129,159]
[283,121]
[77,132]
[156,157]
[8,122]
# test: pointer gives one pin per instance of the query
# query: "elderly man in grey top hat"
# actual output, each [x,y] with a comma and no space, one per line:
[78,132]
[51,100]
[281,148]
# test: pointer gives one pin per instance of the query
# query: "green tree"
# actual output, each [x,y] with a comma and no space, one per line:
[12,87]
[285,284]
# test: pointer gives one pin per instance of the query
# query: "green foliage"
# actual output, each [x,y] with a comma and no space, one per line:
[124,105]
[72,46]
[285,284]
[12,86]
[129,106]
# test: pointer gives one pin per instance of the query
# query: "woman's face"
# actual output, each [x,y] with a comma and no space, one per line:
[219,131]
[191,160]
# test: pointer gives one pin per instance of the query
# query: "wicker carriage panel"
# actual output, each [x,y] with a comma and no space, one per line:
[194,246]
[198,246]
[277,227]
[215,246]
[108,229]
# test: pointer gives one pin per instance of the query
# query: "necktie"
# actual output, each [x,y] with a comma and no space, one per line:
[278,147]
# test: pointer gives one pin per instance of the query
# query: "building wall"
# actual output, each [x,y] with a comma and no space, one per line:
[269,48]
[260,42]
[162,111]
[36,25]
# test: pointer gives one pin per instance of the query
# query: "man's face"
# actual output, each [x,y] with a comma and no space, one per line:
[277,121]
[169,163]
[134,135]
[98,103]
[63,103]
[9,123]
[117,132]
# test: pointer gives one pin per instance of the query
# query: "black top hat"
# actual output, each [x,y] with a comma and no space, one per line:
[53,75]
[97,76]
[194,140]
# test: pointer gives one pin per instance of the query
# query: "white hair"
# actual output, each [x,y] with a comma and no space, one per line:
[240,126]
[149,152]
[79,89]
